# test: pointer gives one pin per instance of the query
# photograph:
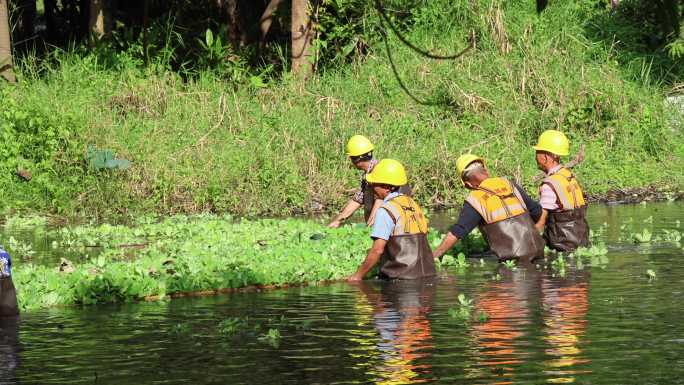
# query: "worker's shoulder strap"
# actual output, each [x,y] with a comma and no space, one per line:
[394,206]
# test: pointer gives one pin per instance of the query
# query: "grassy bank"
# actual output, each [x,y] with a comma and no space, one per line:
[265,145]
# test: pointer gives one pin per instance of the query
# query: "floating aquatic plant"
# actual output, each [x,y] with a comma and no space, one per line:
[510,264]
[463,311]
[232,326]
[272,337]
[674,236]
[19,248]
[461,261]
[559,265]
[644,237]
[594,250]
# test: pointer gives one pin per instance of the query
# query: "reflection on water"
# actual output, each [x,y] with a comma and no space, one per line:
[565,304]
[507,305]
[9,349]
[399,311]
[599,325]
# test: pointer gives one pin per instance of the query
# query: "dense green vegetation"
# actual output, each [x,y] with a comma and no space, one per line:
[182,254]
[250,140]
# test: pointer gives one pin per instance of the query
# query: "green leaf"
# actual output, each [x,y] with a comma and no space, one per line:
[209,38]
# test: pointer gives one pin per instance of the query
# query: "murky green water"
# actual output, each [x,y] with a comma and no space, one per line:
[609,325]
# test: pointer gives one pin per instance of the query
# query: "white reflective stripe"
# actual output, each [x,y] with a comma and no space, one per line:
[560,189]
[501,214]
[396,216]
[498,214]
[520,198]
[477,206]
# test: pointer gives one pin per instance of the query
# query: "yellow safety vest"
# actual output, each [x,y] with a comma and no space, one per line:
[496,199]
[407,216]
[569,194]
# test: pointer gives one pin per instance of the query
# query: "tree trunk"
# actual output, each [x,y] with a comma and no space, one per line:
[99,24]
[6,70]
[235,30]
[266,20]
[302,36]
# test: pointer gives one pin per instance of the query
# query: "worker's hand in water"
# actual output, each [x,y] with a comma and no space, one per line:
[334,224]
[354,278]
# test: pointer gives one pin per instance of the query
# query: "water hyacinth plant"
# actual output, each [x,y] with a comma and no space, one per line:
[180,254]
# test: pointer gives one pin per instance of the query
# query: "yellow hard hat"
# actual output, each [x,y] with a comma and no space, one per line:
[554,142]
[359,145]
[464,161]
[388,171]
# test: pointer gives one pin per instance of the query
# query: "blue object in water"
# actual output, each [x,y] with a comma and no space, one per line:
[5,264]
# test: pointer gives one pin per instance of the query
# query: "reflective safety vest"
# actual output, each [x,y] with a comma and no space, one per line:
[566,228]
[569,194]
[496,199]
[407,254]
[407,216]
[508,227]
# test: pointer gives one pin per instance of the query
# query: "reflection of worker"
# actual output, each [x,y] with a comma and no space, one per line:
[8,295]
[507,305]
[500,208]
[565,303]
[360,152]
[563,217]
[9,348]
[9,321]
[400,230]
[400,314]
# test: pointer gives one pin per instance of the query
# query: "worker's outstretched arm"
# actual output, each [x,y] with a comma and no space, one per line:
[371,260]
[346,212]
[541,222]
[447,243]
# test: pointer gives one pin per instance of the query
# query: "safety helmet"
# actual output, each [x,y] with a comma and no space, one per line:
[388,171]
[554,142]
[359,145]
[464,161]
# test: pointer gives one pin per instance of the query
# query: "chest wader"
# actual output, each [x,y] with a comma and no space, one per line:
[369,197]
[407,254]
[8,298]
[566,228]
[508,227]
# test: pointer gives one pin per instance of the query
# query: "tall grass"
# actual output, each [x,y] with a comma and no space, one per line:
[268,146]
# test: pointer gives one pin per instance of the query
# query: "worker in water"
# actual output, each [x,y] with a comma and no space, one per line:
[8,295]
[360,152]
[563,219]
[400,229]
[503,210]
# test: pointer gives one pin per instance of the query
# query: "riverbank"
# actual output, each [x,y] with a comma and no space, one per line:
[266,145]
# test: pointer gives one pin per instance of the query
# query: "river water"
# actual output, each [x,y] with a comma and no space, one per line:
[609,323]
